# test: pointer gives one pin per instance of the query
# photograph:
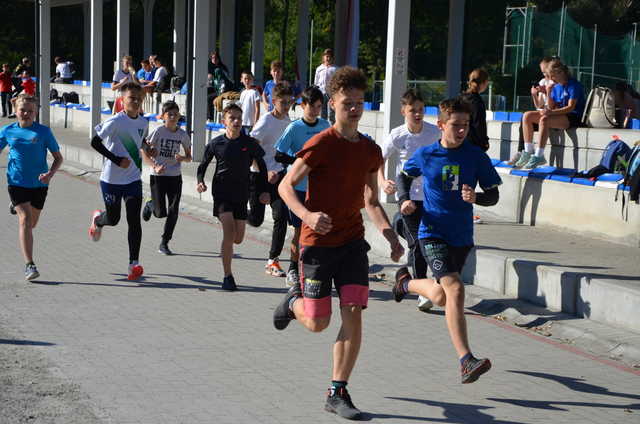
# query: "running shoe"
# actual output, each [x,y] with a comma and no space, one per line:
[477,219]
[282,315]
[94,230]
[12,209]
[164,249]
[274,268]
[473,368]
[514,159]
[535,161]
[135,272]
[398,291]
[229,283]
[424,304]
[147,210]
[340,403]
[292,278]
[12,116]
[31,272]
[524,159]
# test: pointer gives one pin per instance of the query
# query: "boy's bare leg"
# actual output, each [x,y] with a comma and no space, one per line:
[531,117]
[28,218]
[240,227]
[312,324]
[454,312]
[429,288]
[347,345]
[295,245]
[228,237]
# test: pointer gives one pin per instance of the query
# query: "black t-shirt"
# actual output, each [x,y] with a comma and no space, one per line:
[233,162]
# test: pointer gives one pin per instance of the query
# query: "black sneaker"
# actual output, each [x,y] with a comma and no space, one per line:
[473,368]
[282,315]
[228,283]
[398,291]
[340,403]
[148,210]
[12,209]
[12,116]
[164,249]
[31,272]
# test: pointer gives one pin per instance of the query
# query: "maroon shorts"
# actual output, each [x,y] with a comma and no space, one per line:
[346,267]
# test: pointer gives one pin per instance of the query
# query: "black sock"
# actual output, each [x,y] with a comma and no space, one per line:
[335,385]
[293,265]
[31,263]
[465,357]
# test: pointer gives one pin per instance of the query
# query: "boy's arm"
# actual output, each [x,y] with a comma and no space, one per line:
[379,216]
[257,112]
[202,168]
[96,143]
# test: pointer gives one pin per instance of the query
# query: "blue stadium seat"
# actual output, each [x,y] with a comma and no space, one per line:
[610,177]
[584,181]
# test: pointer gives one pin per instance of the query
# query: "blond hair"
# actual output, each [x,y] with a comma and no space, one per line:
[556,66]
[26,98]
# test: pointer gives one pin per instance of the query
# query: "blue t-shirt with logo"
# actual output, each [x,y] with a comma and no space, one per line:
[561,94]
[446,216]
[294,137]
[28,153]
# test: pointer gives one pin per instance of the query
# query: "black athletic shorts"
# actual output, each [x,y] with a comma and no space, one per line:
[443,258]
[346,267]
[36,195]
[239,209]
[574,120]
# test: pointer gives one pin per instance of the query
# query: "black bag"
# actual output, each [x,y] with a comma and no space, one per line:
[53,95]
[177,82]
[71,97]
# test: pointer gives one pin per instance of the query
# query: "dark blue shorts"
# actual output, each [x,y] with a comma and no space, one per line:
[443,258]
[114,193]
[293,218]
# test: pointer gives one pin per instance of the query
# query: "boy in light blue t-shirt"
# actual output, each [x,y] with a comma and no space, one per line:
[289,144]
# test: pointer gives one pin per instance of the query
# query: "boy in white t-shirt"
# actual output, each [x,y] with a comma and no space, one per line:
[249,102]
[402,142]
[119,139]
[268,131]
[166,176]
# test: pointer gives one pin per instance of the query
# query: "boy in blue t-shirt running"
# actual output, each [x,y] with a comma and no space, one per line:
[289,144]
[28,174]
[451,169]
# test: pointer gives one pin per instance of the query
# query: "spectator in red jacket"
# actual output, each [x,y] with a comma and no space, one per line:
[6,85]
[28,85]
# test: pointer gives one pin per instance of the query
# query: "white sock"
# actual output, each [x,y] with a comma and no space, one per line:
[540,152]
[528,147]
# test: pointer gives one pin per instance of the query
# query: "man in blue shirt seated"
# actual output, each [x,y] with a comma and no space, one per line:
[451,169]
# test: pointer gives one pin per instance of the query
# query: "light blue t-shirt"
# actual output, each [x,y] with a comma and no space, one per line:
[561,94]
[28,153]
[268,89]
[295,135]
[446,216]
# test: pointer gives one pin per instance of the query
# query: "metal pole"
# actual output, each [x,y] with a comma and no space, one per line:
[515,78]
[311,57]
[189,111]
[562,13]
[36,56]
[504,46]
[593,58]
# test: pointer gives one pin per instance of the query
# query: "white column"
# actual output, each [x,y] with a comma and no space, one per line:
[45,59]
[148,27]
[213,26]
[395,80]
[340,40]
[179,32]
[302,41]
[96,62]
[257,41]
[454,47]
[123,19]
[352,34]
[228,34]
[86,46]
[199,90]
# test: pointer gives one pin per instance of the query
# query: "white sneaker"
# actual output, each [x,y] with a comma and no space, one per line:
[292,278]
[514,159]
[424,304]
[94,230]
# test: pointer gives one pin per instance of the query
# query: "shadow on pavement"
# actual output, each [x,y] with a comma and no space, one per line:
[462,413]
[551,404]
[24,342]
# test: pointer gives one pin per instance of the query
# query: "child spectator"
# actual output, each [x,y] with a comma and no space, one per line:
[276,74]
[234,152]
[166,178]
[539,97]
[6,84]
[28,84]
[249,102]
[145,74]
[564,111]
[124,75]
[159,82]
[64,71]
[324,72]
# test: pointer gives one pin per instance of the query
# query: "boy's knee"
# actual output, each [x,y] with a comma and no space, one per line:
[238,239]
[317,325]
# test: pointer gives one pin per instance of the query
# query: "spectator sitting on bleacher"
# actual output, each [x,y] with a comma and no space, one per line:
[564,111]
[627,104]
[145,74]
[28,84]
[539,96]
[159,82]
[125,74]
[154,67]
[64,71]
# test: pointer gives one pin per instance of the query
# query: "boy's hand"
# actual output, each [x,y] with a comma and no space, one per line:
[179,157]
[407,207]
[272,177]
[124,163]
[389,186]
[158,169]
[319,222]
[396,248]
[45,178]
[265,198]
[468,194]
[201,187]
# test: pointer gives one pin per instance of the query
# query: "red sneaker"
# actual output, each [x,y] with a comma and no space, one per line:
[135,272]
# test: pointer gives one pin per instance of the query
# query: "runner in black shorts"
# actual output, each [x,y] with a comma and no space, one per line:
[234,153]
[28,174]
[450,171]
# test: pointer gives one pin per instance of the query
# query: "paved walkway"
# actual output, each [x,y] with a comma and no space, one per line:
[174,348]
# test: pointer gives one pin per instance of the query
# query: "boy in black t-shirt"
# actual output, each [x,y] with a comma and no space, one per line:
[234,153]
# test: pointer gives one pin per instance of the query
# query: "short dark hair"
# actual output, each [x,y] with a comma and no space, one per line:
[453,105]
[169,105]
[411,96]
[145,62]
[347,77]
[230,107]
[57,59]
[282,89]
[131,86]
[247,72]
[311,95]
[158,59]
[276,64]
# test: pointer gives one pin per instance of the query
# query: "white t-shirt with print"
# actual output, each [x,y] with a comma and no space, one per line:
[160,73]
[64,69]
[404,143]
[167,143]
[267,131]
[248,99]
[123,137]
[544,83]
[120,74]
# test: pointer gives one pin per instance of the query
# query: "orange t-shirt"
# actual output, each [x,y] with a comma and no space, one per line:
[339,169]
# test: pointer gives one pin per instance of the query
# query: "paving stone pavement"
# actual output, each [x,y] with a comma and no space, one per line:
[174,348]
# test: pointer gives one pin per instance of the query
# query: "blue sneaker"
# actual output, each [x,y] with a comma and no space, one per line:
[523,160]
[535,161]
